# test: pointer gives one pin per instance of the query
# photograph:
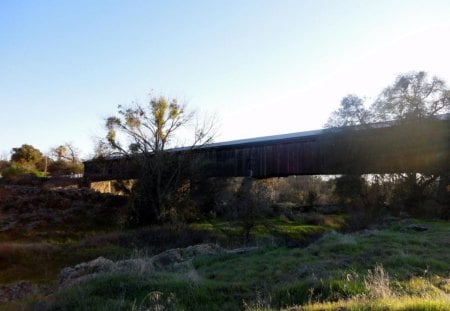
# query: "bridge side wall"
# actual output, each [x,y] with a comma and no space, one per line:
[421,147]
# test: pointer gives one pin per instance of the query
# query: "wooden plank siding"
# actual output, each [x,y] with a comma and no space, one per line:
[410,147]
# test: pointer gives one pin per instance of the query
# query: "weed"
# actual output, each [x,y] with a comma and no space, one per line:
[156,301]
[377,283]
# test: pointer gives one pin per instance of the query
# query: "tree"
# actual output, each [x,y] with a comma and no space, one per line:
[59,152]
[415,96]
[102,149]
[66,152]
[3,165]
[351,112]
[64,160]
[61,167]
[3,161]
[412,96]
[148,131]
[26,154]
[24,160]
[349,188]
[72,153]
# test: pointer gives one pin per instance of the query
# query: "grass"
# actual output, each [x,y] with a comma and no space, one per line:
[405,303]
[266,230]
[301,264]
[416,294]
[51,250]
[121,292]
[18,261]
[58,248]
[384,269]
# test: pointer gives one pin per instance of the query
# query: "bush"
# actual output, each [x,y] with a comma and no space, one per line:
[160,238]
[61,167]
[15,169]
[168,190]
[412,193]
[350,189]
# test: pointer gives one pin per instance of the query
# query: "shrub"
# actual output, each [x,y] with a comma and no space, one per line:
[350,189]
[61,167]
[16,169]
[160,238]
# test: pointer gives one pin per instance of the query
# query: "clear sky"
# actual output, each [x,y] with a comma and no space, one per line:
[264,67]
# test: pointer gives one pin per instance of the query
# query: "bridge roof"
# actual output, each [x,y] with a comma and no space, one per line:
[265,139]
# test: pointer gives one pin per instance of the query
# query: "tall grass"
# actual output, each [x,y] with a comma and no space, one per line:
[156,301]
[416,294]
[377,283]
[402,303]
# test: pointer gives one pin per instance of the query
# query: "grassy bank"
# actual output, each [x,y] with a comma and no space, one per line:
[303,260]
[19,254]
[393,267]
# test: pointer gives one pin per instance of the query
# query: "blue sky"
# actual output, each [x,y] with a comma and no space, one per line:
[264,67]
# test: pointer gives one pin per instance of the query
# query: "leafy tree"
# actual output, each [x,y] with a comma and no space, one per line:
[24,160]
[61,167]
[251,200]
[416,96]
[412,96]
[351,112]
[26,154]
[349,188]
[165,176]
[14,169]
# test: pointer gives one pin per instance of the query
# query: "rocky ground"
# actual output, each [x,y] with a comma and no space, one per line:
[166,260]
[17,291]
[25,210]
[179,258]
[34,220]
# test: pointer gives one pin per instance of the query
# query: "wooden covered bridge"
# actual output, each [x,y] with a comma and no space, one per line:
[421,146]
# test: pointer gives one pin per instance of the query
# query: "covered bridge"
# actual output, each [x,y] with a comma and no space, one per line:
[422,146]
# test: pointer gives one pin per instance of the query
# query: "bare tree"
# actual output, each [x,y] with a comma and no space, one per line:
[66,152]
[102,148]
[72,152]
[147,132]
